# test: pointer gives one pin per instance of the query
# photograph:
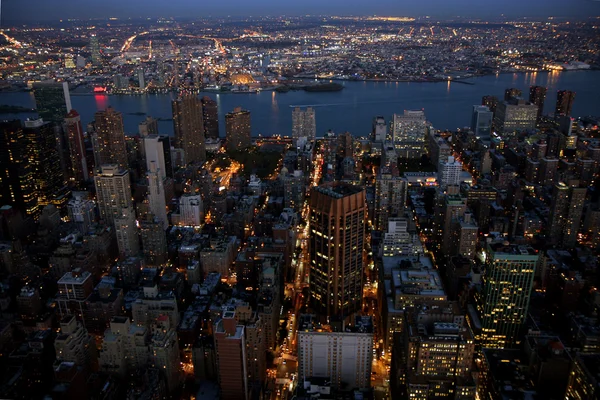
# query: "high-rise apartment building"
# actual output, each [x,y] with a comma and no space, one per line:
[232,363]
[188,126]
[113,192]
[343,358]
[124,348]
[148,127]
[191,210]
[52,100]
[449,172]
[503,302]
[514,116]
[537,96]
[566,211]
[512,93]
[81,211]
[390,197]
[303,124]
[74,344]
[490,102]
[337,237]
[481,122]
[156,194]
[238,129]
[110,147]
[78,167]
[164,351]
[94,46]
[128,240]
[564,102]
[155,154]
[45,159]
[154,241]
[380,129]
[409,133]
[210,114]
[17,173]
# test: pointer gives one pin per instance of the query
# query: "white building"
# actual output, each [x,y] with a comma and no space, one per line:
[191,210]
[343,357]
[156,194]
[113,192]
[379,129]
[124,347]
[81,211]
[154,151]
[449,173]
[398,240]
[303,124]
[127,234]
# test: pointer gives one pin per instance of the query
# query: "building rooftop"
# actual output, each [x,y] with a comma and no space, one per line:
[339,190]
[501,248]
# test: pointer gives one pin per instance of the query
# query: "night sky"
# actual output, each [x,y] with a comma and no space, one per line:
[34,10]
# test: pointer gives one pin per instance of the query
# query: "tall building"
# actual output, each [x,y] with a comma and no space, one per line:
[81,211]
[514,116]
[44,156]
[188,127]
[148,127]
[409,133]
[449,172]
[74,344]
[390,197]
[564,102]
[95,50]
[110,139]
[164,351]
[343,358]
[154,241]
[128,240]
[537,96]
[113,192]
[380,129]
[503,302]
[490,102]
[191,210]
[238,131]
[481,122]
[124,347]
[156,194]
[141,79]
[512,93]
[584,377]
[303,124]
[52,100]
[566,212]
[17,173]
[337,238]
[210,115]
[74,133]
[232,363]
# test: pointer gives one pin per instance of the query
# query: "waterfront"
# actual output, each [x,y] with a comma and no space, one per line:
[447,105]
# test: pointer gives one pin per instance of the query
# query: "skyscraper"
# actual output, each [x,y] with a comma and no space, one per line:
[337,238]
[303,124]
[409,133]
[76,144]
[232,364]
[490,102]
[95,50]
[449,172]
[126,231]
[188,127]
[17,186]
[148,127]
[380,130]
[537,96]
[110,142]
[481,122]
[515,115]
[238,129]
[156,194]
[503,303]
[113,192]
[566,211]
[564,102]
[210,115]
[49,178]
[52,100]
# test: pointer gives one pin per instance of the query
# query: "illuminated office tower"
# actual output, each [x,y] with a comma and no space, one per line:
[512,93]
[337,237]
[238,131]
[188,127]
[44,156]
[210,114]
[156,194]
[126,232]
[503,302]
[537,96]
[95,50]
[17,174]
[564,102]
[481,122]
[303,124]
[409,133]
[565,216]
[583,379]
[52,100]
[148,127]
[110,138]
[113,192]
[76,144]
[515,116]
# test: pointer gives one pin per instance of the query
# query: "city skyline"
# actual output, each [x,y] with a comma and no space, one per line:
[39,10]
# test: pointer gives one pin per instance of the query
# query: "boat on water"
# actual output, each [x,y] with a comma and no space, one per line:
[324,87]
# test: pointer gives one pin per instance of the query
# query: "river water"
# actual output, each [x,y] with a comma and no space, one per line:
[447,105]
